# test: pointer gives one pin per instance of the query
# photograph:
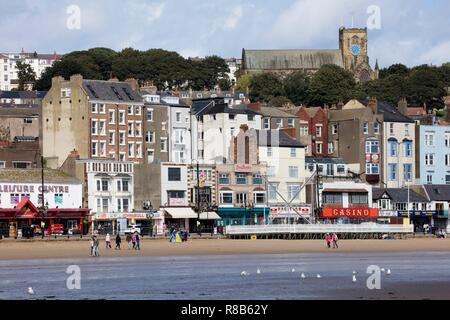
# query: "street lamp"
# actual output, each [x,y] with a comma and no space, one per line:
[197,192]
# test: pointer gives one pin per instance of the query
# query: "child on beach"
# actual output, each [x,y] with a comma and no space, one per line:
[328,240]
[108,241]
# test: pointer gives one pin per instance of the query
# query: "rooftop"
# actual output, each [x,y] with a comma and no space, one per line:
[111,91]
[398,195]
[269,138]
[438,192]
[34,175]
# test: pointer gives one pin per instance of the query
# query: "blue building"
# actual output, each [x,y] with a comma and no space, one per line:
[434,154]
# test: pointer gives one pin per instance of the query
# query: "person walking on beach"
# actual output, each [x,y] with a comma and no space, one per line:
[328,239]
[96,245]
[108,241]
[335,240]
[133,240]
[172,236]
[128,240]
[92,245]
[138,242]
[118,241]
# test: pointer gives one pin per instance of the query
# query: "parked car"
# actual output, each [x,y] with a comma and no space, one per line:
[133,228]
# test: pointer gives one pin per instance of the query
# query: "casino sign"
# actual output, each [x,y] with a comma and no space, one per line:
[352,213]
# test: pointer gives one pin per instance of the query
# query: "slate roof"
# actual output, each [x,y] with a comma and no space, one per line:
[264,138]
[111,91]
[215,108]
[290,59]
[22,94]
[438,192]
[34,175]
[391,114]
[398,195]
[13,111]
[274,112]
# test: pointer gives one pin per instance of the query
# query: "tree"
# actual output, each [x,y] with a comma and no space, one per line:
[296,87]
[25,74]
[265,87]
[330,85]
[279,102]
[391,88]
[425,85]
[395,69]
[207,72]
[243,83]
[224,84]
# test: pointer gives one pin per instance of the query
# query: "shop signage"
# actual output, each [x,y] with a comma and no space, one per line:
[387,213]
[13,188]
[289,211]
[177,202]
[121,215]
[352,213]
[417,213]
[242,167]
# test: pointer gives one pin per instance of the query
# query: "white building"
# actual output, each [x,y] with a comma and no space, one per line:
[8,68]
[213,124]
[234,65]
[179,126]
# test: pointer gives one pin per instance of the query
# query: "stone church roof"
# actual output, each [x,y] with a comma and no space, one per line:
[290,59]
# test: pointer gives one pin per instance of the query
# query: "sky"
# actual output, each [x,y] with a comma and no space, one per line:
[410,32]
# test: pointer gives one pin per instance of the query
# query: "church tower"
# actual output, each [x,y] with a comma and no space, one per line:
[353,47]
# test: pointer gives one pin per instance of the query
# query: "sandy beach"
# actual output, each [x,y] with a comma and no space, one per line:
[78,249]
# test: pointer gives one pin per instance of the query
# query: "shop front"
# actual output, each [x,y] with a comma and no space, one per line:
[26,220]
[422,218]
[289,215]
[122,222]
[243,216]
[337,215]
[180,217]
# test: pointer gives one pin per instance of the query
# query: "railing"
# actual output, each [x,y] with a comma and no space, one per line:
[318,228]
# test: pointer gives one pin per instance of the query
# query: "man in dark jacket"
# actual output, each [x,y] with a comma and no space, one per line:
[118,241]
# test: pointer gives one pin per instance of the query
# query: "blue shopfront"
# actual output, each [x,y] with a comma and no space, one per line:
[243,216]
[420,218]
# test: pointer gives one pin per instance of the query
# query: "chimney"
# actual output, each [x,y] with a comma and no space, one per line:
[133,83]
[77,79]
[290,132]
[340,105]
[373,104]
[74,154]
[56,81]
[402,106]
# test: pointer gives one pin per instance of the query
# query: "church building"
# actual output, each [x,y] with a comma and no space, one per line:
[352,55]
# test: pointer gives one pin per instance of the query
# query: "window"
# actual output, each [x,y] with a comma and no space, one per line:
[94,148]
[258,198]
[232,131]
[279,123]
[224,178]
[102,129]
[358,198]
[269,151]
[293,172]
[293,191]
[290,122]
[2,165]
[112,137]
[334,129]
[366,128]
[393,148]
[15,198]
[447,160]
[58,199]
[272,191]
[102,148]
[131,150]
[231,116]
[250,117]
[271,171]
[105,205]
[94,108]
[241,178]
[137,110]
[266,123]
[429,159]
[138,129]
[130,128]
[391,128]
[447,139]
[179,136]
[122,138]
[392,171]
[293,152]
[372,168]
[406,129]
[138,150]
[407,172]
[149,136]
[318,130]
[330,147]
[65,92]
[121,117]
[372,146]
[125,205]
[149,114]
[429,178]
[319,147]
[130,110]
[332,198]
[257,179]
[447,179]
[340,169]
[226,198]
[163,144]
[429,139]
[111,116]
[94,126]
[101,108]
[27,120]
[21,164]
[174,174]
[303,131]
[241,198]
[376,128]
[178,117]
[125,185]
[150,155]
[408,148]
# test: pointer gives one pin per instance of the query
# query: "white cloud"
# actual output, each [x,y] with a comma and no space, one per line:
[152,11]
[233,19]
[437,55]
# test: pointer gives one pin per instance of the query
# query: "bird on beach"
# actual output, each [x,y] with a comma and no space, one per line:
[319,276]
[30,290]
[293,270]
[244,273]
[388,271]
[302,276]
[354,278]
[258,271]
[382,270]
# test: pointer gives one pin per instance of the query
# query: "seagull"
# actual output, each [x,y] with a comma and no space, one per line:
[258,271]
[244,273]
[30,290]
[293,270]
[302,276]
[319,276]
[354,278]
[388,271]
[382,269]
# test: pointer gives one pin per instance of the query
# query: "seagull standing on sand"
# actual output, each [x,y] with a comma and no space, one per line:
[30,290]
[382,270]
[319,276]
[354,278]
[302,276]
[244,273]
[388,271]
[258,271]
[293,270]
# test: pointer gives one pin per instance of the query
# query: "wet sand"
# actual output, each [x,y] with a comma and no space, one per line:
[78,249]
